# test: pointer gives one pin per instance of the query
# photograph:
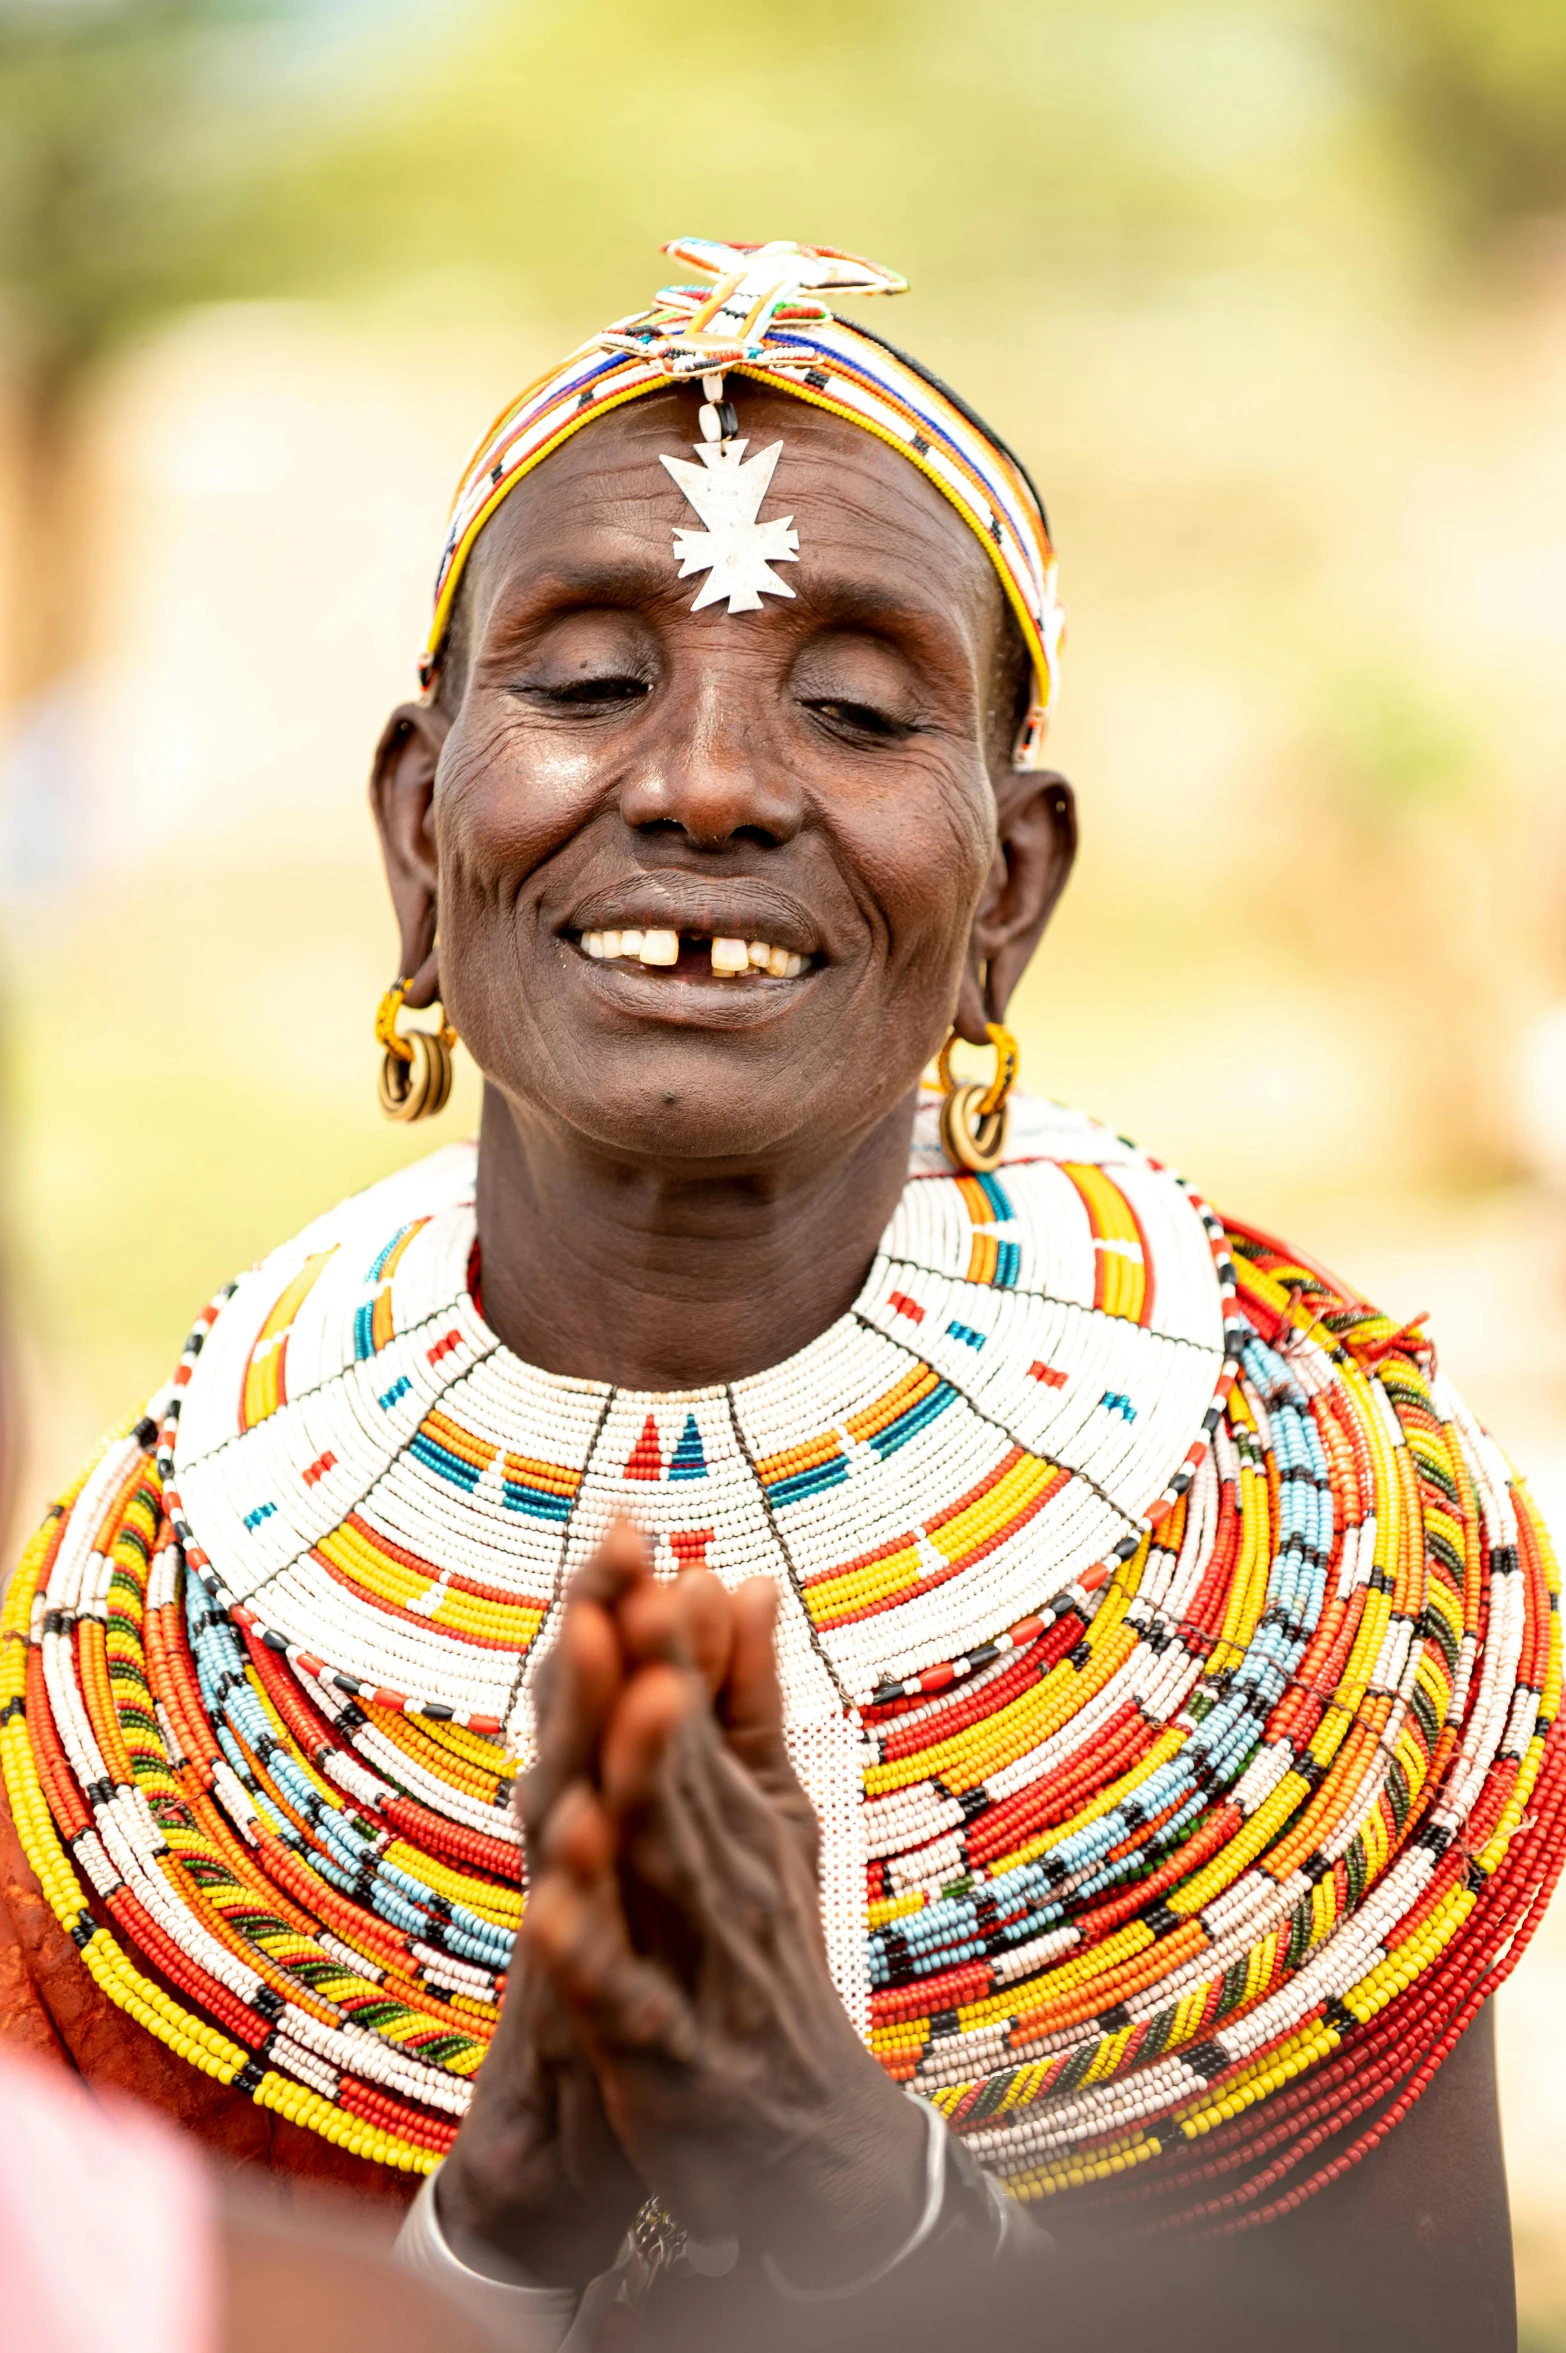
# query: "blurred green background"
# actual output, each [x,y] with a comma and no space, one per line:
[1270,293]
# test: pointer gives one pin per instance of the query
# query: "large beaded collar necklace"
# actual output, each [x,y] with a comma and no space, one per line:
[1172,1661]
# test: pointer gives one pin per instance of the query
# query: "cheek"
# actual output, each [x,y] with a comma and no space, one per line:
[926,861]
[505,798]
[505,802]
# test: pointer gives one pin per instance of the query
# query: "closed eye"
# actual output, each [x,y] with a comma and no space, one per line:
[578,691]
[861,719]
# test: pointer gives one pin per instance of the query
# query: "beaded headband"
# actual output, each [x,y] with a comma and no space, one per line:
[763,318]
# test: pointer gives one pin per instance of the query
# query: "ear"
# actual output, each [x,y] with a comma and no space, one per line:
[1035,850]
[402,795]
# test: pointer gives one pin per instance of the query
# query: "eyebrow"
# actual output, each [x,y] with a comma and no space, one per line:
[841,597]
[606,578]
[520,605]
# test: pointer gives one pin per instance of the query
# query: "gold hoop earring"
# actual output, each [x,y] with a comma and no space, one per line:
[974,1118]
[415,1075]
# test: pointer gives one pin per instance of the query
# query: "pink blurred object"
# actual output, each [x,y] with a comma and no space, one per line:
[108,2234]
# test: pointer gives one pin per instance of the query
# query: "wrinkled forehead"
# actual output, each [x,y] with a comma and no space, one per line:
[760,318]
[598,520]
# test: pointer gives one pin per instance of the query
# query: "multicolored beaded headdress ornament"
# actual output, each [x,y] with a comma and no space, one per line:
[764,318]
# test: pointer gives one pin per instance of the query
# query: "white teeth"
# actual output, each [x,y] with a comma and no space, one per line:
[730,957]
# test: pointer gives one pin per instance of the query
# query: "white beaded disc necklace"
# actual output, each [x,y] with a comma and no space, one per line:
[1031,1369]
[369,1481]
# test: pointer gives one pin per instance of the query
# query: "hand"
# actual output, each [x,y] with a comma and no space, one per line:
[536,2180]
[675,1912]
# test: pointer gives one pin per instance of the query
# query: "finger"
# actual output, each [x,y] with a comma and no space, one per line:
[583,1679]
[707,1623]
[649,1625]
[617,1565]
[578,1837]
[620,1563]
[618,2001]
[575,1886]
[750,1708]
[750,1705]
[636,1741]
[697,1834]
[688,1622]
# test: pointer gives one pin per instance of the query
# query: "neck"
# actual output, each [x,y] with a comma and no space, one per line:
[655,1278]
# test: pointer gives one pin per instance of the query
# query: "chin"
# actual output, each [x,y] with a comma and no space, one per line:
[709,1125]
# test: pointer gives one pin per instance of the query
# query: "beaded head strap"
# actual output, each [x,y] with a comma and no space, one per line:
[763,316]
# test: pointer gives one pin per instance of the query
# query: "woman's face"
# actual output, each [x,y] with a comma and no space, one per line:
[827,778]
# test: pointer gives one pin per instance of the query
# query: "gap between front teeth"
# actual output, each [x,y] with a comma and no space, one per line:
[730,958]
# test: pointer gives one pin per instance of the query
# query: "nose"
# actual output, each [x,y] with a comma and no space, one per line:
[714,770]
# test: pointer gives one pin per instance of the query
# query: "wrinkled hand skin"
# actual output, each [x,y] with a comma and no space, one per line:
[672,2026]
[536,2181]
[676,1910]
[536,2177]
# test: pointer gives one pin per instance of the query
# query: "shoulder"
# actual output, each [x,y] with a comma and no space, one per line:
[321,1301]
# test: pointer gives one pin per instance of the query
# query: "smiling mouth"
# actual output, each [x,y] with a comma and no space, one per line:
[693,955]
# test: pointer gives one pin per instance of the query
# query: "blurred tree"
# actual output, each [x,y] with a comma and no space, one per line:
[142,147]
[996,148]
[1477,91]
[101,229]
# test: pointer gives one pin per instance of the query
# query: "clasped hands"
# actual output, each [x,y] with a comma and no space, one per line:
[670,2026]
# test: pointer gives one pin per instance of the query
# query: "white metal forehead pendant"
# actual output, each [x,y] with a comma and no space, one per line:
[735,551]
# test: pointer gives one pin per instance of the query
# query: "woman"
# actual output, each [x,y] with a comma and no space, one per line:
[1170,1661]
